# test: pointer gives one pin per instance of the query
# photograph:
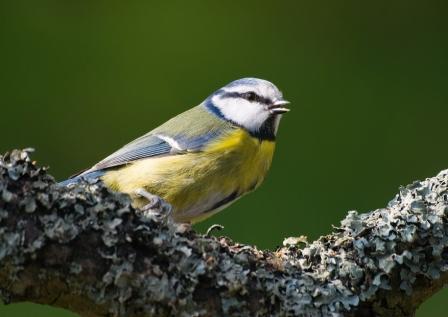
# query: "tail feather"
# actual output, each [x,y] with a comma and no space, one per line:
[82,177]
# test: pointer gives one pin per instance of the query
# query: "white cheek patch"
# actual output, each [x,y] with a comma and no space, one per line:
[250,115]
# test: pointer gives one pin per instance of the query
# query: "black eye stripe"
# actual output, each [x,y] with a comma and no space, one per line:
[250,96]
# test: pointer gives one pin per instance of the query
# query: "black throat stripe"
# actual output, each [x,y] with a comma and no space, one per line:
[250,96]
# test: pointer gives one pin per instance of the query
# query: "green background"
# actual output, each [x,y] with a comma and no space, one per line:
[367,81]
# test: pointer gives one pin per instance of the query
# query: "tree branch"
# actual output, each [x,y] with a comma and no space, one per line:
[86,249]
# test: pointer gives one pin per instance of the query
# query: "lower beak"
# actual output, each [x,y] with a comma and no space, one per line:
[278,107]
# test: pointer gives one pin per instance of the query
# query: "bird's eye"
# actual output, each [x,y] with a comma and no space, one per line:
[251,96]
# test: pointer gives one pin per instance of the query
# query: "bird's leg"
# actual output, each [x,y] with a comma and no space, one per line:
[155,203]
[154,200]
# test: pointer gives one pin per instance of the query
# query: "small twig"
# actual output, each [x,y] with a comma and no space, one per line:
[215,227]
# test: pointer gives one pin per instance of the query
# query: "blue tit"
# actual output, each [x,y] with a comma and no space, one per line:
[205,158]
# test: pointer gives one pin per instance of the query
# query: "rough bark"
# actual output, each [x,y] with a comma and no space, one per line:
[86,249]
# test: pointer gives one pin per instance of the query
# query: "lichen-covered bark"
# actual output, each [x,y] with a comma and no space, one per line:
[86,249]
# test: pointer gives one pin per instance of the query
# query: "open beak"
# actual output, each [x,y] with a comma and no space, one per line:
[278,107]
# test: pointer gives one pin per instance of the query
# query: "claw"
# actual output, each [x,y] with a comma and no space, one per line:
[155,205]
[154,202]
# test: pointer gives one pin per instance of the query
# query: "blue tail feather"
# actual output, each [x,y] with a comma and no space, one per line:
[79,178]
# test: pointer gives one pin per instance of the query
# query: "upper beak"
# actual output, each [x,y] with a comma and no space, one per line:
[278,107]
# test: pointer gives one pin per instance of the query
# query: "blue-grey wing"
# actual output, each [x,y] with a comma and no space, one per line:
[145,146]
[155,145]
[149,145]
[185,133]
[141,148]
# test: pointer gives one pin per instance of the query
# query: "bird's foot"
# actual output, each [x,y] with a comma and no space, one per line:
[156,206]
[154,201]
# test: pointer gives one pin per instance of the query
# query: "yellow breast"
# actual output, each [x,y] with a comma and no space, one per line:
[198,184]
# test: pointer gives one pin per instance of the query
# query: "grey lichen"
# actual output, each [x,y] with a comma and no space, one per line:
[87,249]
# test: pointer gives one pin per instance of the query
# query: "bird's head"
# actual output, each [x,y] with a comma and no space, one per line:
[253,104]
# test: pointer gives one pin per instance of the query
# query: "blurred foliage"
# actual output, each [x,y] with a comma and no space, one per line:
[367,80]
